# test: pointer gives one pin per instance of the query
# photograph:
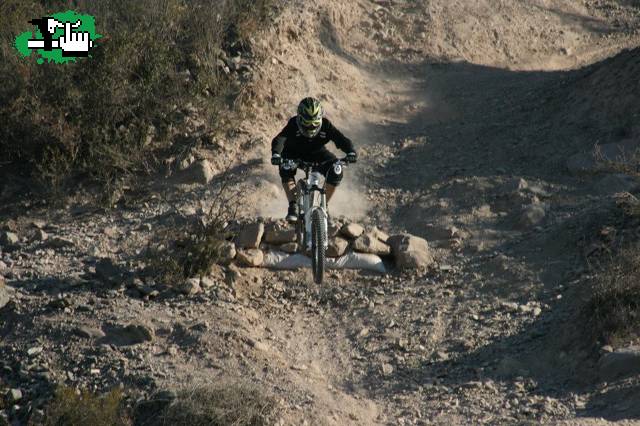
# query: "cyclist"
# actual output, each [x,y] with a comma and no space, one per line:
[304,138]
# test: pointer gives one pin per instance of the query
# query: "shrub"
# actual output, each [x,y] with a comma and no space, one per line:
[110,118]
[613,310]
[184,251]
[71,408]
[219,404]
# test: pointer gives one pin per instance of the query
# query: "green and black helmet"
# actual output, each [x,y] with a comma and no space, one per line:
[309,117]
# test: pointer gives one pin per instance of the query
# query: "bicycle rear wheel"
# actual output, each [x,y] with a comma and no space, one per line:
[318,244]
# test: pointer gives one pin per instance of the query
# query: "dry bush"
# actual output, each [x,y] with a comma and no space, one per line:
[69,408]
[190,249]
[613,310]
[623,162]
[110,118]
[220,404]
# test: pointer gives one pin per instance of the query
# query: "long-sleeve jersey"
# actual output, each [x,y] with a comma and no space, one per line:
[290,143]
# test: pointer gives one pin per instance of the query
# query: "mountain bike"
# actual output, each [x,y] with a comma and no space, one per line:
[312,223]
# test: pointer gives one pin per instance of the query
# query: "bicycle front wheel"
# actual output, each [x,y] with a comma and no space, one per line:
[318,244]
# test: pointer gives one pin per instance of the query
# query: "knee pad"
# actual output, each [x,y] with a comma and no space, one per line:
[334,175]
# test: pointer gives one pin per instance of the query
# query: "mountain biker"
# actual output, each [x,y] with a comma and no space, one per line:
[304,138]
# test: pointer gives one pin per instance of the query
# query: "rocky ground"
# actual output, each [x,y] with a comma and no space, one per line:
[475,125]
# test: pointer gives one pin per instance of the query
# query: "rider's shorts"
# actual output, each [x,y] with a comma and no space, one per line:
[332,172]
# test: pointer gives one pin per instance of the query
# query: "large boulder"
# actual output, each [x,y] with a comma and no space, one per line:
[352,230]
[278,235]
[250,235]
[337,247]
[368,243]
[250,257]
[410,252]
[621,363]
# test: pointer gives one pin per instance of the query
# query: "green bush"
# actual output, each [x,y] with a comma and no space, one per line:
[108,118]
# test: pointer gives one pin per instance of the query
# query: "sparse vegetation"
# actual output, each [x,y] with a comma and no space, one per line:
[238,404]
[112,117]
[188,251]
[613,310]
[78,408]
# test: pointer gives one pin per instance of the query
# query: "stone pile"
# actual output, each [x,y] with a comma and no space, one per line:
[253,240]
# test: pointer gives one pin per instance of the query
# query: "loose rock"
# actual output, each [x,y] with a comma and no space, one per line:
[621,363]
[190,287]
[40,235]
[5,293]
[200,172]
[251,235]
[227,252]
[59,242]
[387,369]
[352,230]
[89,332]
[14,395]
[368,243]
[380,234]
[278,235]
[337,247]
[531,215]
[131,334]
[250,257]
[410,252]
[9,239]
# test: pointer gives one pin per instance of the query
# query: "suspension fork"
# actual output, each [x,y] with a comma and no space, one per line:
[322,208]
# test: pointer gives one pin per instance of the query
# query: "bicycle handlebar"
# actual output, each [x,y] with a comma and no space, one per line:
[309,164]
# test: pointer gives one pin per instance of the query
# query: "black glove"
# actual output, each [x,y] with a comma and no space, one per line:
[276,159]
[352,157]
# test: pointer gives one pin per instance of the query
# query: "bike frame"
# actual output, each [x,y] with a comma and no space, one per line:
[309,191]
[310,197]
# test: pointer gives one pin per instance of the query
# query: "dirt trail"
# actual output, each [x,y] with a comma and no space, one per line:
[458,110]
[464,114]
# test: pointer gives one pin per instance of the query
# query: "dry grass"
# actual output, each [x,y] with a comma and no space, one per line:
[72,408]
[228,404]
[613,311]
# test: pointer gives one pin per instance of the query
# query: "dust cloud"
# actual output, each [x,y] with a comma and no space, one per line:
[349,199]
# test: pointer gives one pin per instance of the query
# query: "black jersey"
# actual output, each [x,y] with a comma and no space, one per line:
[290,143]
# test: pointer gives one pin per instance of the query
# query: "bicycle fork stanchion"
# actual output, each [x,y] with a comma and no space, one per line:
[310,208]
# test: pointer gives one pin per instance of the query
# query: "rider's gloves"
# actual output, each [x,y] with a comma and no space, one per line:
[352,157]
[276,159]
